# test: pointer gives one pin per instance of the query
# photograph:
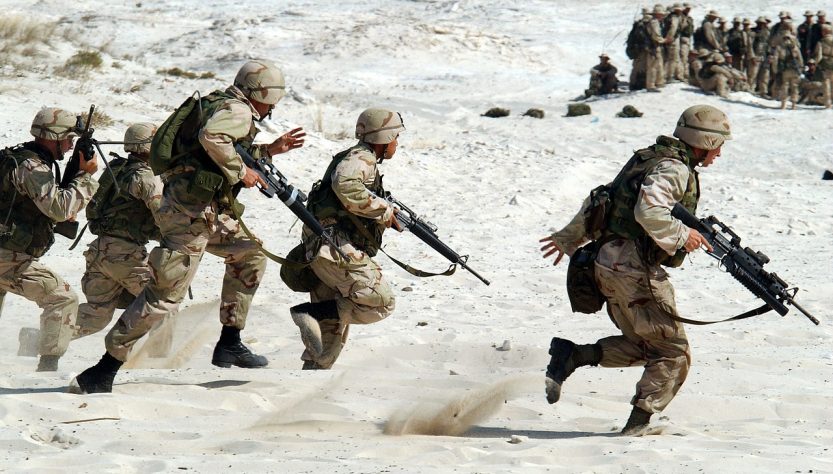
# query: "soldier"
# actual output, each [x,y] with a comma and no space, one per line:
[672,27]
[717,76]
[823,54]
[707,36]
[736,42]
[196,215]
[784,21]
[686,31]
[811,91]
[349,200]
[31,202]
[603,78]
[722,32]
[803,35]
[759,65]
[638,238]
[816,30]
[124,221]
[638,49]
[654,75]
[748,37]
[789,66]
[698,59]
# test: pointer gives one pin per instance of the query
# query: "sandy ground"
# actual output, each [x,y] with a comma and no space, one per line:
[434,397]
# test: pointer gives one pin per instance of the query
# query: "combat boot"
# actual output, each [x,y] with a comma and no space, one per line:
[566,357]
[231,351]
[98,378]
[48,363]
[638,423]
[307,316]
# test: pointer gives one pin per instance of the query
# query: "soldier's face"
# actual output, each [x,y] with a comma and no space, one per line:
[711,155]
[390,148]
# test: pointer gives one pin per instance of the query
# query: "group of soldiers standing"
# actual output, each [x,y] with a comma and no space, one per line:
[187,201]
[783,62]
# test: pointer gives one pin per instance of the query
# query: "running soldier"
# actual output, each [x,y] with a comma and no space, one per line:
[31,203]
[639,236]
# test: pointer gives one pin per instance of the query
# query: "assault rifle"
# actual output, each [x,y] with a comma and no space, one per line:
[85,145]
[744,264]
[427,232]
[294,199]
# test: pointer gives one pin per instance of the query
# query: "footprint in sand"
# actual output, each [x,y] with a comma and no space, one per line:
[55,437]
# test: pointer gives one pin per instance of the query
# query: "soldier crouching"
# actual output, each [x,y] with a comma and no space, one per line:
[31,203]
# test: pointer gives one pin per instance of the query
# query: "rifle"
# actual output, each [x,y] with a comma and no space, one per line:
[86,144]
[278,185]
[744,264]
[427,232]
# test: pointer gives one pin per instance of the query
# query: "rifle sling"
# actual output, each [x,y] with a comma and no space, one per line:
[413,271]
[251,236]
[765,308]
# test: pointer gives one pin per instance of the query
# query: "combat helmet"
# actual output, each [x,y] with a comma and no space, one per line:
[703,126]
[261,81]
[138,136]
[379,126]
[52,123]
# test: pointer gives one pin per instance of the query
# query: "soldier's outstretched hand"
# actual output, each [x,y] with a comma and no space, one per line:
[288,141]
[552,247]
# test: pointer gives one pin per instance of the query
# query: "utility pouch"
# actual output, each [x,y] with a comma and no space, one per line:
[582,288]
[17,238]
[204,185]
[296,273]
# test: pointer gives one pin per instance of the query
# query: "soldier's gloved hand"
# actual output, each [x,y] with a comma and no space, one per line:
[552,247]
[252,178]
[88,166]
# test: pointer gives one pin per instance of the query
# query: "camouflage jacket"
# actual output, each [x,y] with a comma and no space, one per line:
[823,54]
[37,202]
[132,214]
[661,189]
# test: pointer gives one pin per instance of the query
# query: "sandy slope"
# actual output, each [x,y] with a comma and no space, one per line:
[758,398]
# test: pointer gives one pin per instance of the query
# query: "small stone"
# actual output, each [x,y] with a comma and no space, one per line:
[535,113]
[515,439]
[422,323]
[451,372]
[507,346]
[407,288]
[496,112]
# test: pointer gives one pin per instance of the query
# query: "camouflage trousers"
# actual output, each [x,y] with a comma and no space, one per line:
[23,275]
[649,337]
[117,271]
[637,77]
[685,49]
[361,293]
[654,71]
[718,84]
[673,68]
[828,88]
[174,264]
[790,81]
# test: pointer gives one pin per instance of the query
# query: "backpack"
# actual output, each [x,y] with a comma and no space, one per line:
[637,40]
[699,37]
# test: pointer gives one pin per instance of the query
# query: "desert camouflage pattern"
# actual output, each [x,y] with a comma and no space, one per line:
[189,228]
[824,53]
[138,137]
[649,337]
[34,179]
[672,67]
[790,78]
[117,269]
[654,71]
[23,275]
[52,123]
[711,36]
[362,295]
[261,81]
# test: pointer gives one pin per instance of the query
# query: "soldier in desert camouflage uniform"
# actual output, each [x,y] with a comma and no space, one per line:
[719,77]
[789,65]
[654,71]
[195,216]
[823,55]
[686,31]
[31,202]
[117,261]
[349,200]
[673,30]
[639,236]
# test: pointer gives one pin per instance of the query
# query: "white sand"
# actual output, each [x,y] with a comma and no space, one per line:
[758,398]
